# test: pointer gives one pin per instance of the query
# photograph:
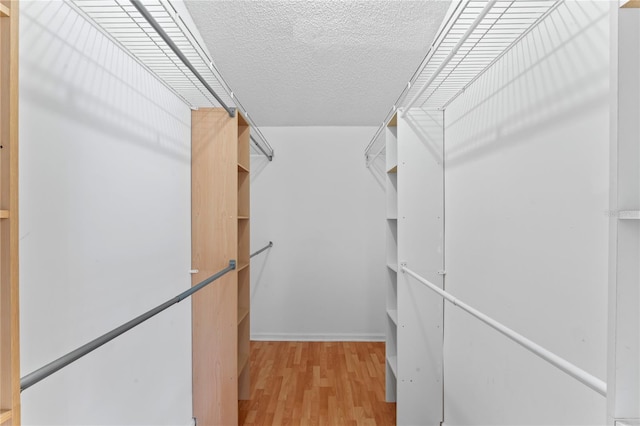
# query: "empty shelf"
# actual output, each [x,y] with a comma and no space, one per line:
[242,265]
[629,214]
[243,361]
[394,169]
[393,267]
[476,35]
[242,168]
[5,415]
[4,214]
[123,24]
[5,12]
[393,363]
[393,315]
[240,217]
[242,314]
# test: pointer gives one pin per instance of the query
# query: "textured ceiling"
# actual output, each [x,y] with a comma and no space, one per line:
[317,63]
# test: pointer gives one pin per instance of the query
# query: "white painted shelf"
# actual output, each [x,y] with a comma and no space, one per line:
[393,267]
[629,215]
[393,363]
[393,315]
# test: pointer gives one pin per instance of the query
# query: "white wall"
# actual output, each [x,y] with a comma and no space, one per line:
[526,194]
[324,211]
[104,225]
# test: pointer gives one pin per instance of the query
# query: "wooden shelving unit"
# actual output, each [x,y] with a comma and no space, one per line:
[9,315]
[243,283]
[220,232]
[391,347]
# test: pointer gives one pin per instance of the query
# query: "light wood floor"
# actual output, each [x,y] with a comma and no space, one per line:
[317,383]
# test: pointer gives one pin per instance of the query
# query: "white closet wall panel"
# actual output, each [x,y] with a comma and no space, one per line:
[526,190]
[104,227]
[421,246]
[323,279]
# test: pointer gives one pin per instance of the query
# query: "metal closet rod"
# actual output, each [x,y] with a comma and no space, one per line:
[255,142]
[553,359]
[44,372]
[268,246]
[156,26]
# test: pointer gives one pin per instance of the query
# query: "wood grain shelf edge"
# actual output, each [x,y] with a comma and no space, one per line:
[241,266]
[243,314]
[5,415]
[394,169]
[242,168]
[243,361]
[4,214]
[5,12]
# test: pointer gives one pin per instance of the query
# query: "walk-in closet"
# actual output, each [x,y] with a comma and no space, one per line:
[235,212]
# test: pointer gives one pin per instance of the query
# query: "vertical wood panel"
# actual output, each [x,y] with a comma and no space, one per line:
[9,302]
[214,243]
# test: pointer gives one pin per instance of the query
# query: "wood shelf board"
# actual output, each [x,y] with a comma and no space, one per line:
[241,266]
[393,267]
[243,361]
[630,3]
[393,315]
[5,12]
[394,121]
[393,363]
[5,415]
[243,217]
[4,214]
[629,215]
[394,169]
[243,313]
[243,169]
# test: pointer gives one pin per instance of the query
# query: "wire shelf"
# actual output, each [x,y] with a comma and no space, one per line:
[122,23]
[476,35]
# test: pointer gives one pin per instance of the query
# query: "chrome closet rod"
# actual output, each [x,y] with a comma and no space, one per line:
[47,370]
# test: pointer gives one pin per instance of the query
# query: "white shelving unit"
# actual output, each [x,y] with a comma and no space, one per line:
[391,166]
[475,34]
[623,385]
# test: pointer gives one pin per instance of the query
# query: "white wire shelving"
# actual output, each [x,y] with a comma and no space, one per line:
[122,23]
[475,35]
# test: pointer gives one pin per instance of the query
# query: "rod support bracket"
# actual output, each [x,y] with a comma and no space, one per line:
[232,263]
[402,266]
[232,112]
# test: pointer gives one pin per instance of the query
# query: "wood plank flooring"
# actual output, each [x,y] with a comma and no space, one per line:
[317,383]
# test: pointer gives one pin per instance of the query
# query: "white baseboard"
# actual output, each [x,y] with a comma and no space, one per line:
[317,337]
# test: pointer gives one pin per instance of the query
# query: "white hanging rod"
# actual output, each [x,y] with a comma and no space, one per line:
[558,362]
